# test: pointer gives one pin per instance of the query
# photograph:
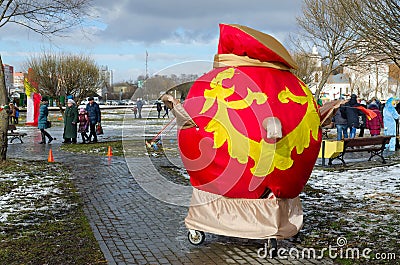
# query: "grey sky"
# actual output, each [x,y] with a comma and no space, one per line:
[172,31]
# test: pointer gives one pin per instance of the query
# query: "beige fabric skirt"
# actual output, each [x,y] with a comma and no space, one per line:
[246,218]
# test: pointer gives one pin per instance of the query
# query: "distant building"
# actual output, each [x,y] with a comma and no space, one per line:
[19,81]
[372,78]
[9,77]
[107,77]
[316,60]
[369,79]
[337,86]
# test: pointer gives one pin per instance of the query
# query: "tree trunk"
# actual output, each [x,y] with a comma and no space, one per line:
[3,115]
[3,135]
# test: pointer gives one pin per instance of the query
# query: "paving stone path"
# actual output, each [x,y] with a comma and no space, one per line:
[131,226]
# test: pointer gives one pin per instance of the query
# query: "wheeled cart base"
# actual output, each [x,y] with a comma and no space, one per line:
[271,218]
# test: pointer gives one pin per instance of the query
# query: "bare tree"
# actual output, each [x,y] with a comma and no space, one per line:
[331,34]
[46,71]
[79,76]
[378,24]
[76,75]
[306,67]
[43,17]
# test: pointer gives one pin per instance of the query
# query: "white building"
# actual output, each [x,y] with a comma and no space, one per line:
[367,80]
[337,86]
[107,76]
[316,60]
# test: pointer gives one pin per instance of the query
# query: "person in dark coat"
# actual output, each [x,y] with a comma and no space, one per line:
[159,108]
[43,122]
[166,111]
[70,122]
[376,124]
[341,125]
[94,114]
[351,113]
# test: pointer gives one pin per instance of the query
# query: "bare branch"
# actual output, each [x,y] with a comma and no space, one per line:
[45,17]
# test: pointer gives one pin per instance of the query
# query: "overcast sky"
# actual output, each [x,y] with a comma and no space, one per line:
[173,32]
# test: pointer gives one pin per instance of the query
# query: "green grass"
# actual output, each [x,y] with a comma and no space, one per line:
[130,148]
[99,148]
[59,235]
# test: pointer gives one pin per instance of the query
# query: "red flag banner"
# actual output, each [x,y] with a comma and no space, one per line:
[369,113]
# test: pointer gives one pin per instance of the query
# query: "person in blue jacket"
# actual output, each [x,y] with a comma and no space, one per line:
[43,122]
[390,116]
[94,114]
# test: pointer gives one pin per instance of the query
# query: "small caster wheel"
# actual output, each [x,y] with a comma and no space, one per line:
[196,237]
[272,247]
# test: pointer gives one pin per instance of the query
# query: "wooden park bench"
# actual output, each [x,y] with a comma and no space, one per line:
[375,145]
[12,134]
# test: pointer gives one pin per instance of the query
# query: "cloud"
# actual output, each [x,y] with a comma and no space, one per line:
[118,33]
[187,21]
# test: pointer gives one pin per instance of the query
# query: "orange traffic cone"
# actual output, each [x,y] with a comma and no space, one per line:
[109,153]
[50,157]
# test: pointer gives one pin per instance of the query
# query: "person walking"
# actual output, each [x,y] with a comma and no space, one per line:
[351,113]
[159,108]
[93,111]
[166,111]
[70,122]
[390,116]
[139,106]
[341,125]
[84,122]
[43,121]
[375,124]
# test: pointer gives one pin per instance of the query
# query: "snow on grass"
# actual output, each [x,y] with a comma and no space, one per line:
[32,192]
[368,183]
[361,205]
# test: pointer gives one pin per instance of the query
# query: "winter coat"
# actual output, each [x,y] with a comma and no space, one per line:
[159,107]
[390,116]
[83,122]
[374,125]
[70,122]
[338,118]
[351,113]
[139,104]
[13,110]
[43,113]
[94,113]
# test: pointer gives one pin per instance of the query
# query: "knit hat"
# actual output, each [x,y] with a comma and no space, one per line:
[71,101]
[82,110]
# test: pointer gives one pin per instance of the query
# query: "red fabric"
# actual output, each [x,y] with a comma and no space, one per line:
[374,125]
[370,114]
[213,170]
[36,101]
[235,41]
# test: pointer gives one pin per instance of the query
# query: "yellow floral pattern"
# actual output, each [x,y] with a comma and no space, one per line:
[267,156]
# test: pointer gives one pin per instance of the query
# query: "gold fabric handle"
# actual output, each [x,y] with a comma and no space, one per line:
[224,60]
